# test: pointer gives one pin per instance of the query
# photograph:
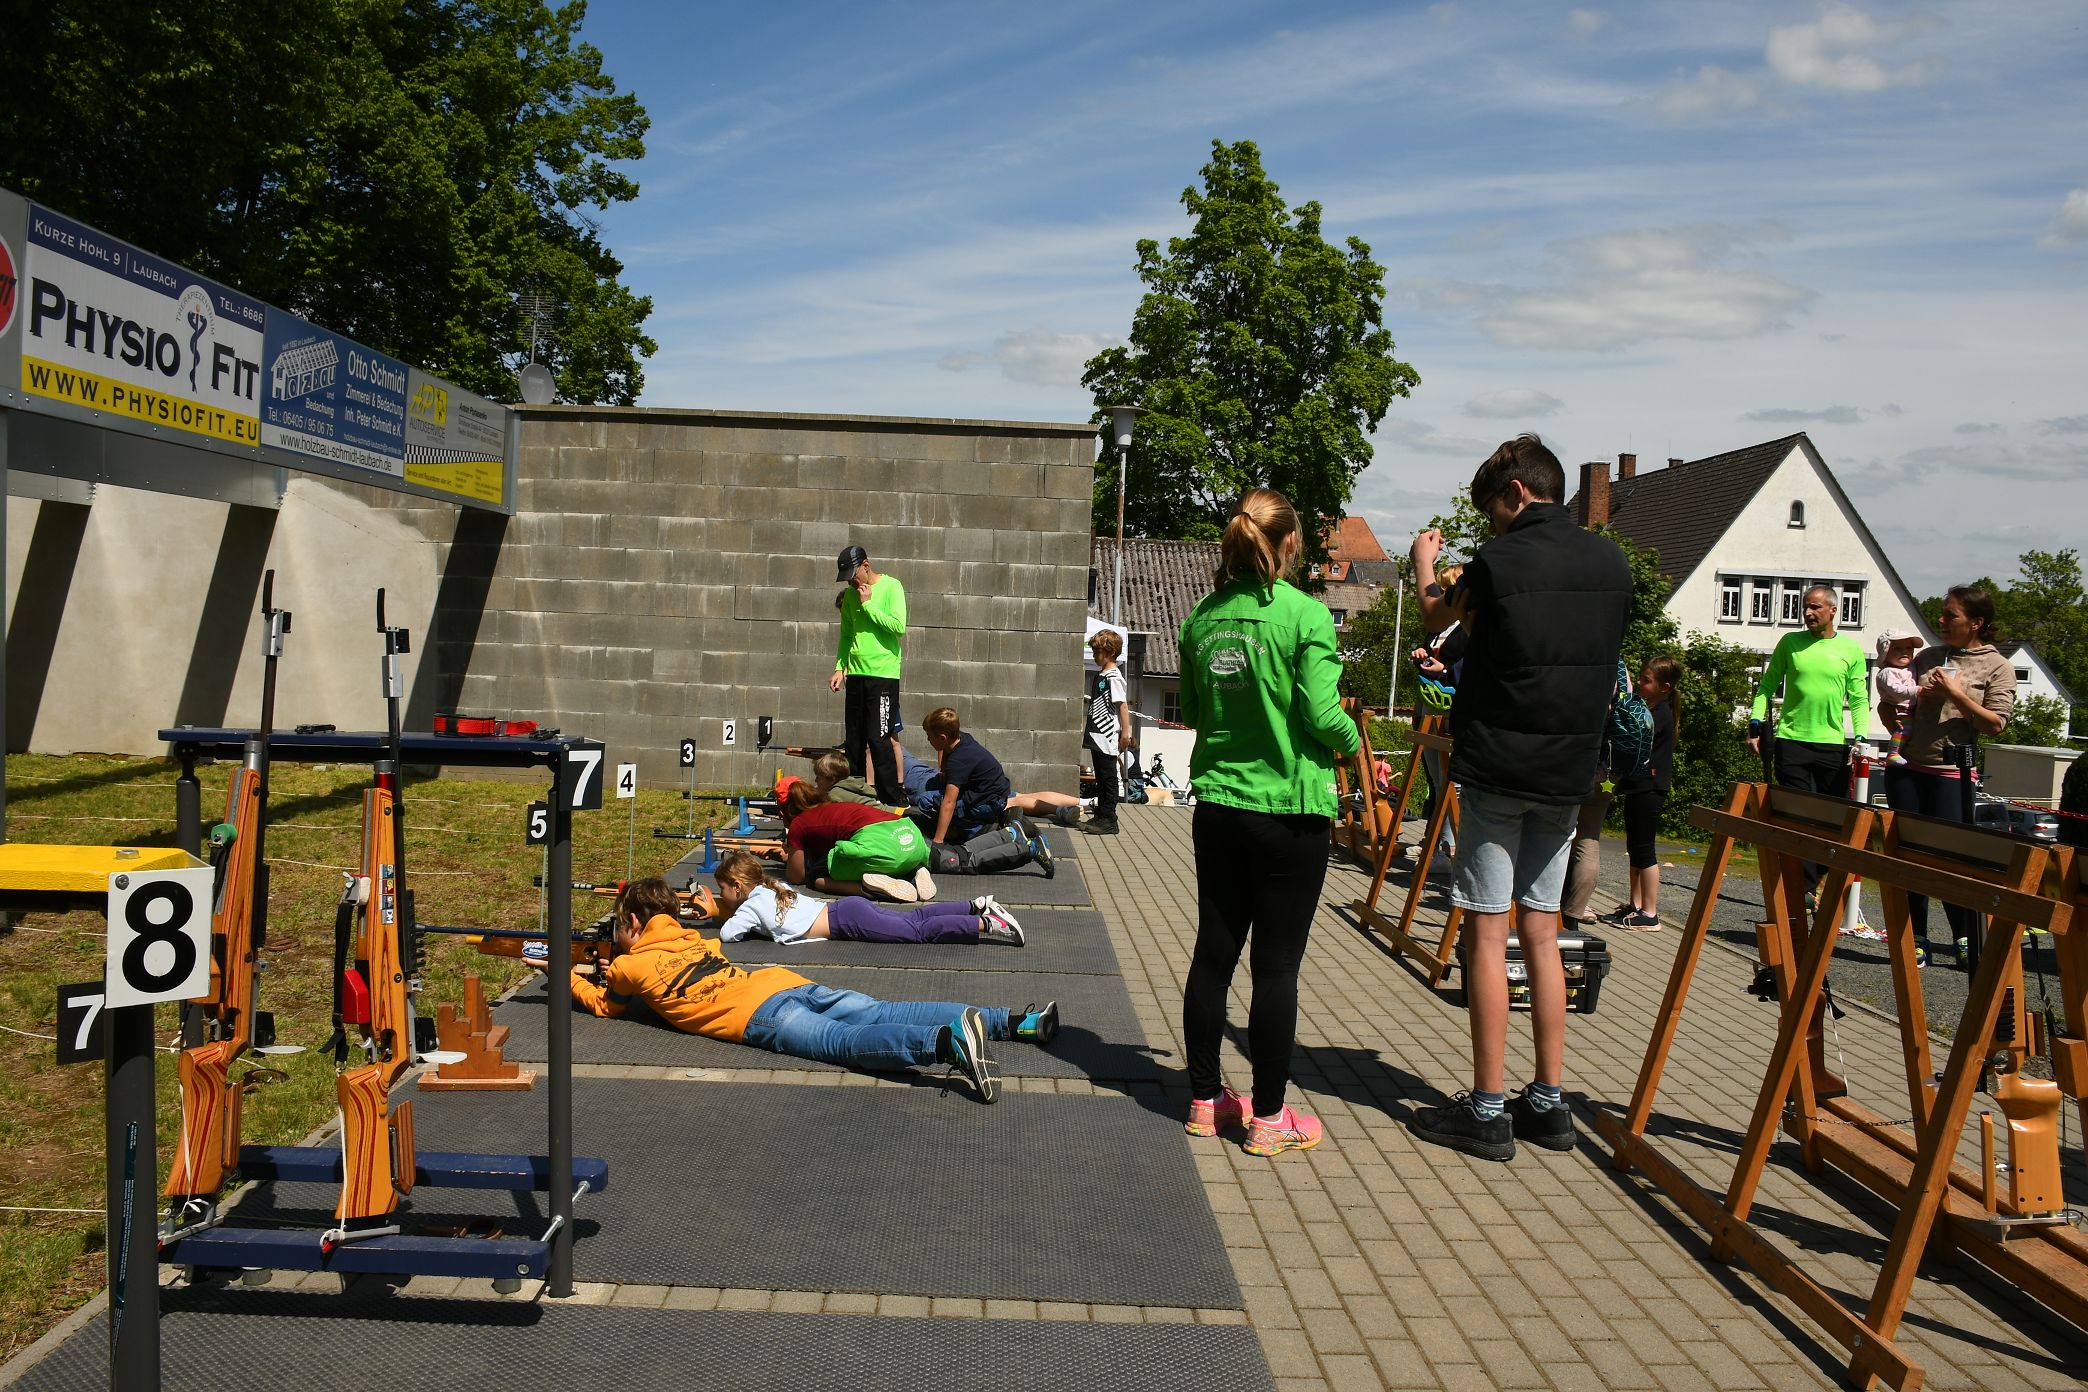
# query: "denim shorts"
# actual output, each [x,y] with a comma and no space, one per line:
[1511,851]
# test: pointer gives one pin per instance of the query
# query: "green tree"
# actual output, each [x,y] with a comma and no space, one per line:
[2037,721]
[1261,354]
[1375,643]
[1711,751]
[396,170]
[1648,631]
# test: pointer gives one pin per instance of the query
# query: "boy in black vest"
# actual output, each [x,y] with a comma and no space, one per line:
[1545,603]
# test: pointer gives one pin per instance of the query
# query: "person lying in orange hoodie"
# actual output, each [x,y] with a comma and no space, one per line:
[687,981]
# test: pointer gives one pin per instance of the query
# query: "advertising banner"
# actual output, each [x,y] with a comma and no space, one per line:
[111,328]
[101,333]
[331,398]
[455,441]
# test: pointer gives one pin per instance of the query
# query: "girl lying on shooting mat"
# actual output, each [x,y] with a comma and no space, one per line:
[754,904]
[687,982]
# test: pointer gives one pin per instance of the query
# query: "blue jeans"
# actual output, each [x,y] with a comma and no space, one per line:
[855,1030]
[1513,851]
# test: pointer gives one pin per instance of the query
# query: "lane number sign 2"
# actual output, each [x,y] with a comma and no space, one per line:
[582,777]
[731,733]
[159,935]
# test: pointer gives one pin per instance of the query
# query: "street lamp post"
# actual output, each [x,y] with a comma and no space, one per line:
[1121,421]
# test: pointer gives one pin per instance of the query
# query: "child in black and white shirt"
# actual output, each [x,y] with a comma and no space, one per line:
[1108,729]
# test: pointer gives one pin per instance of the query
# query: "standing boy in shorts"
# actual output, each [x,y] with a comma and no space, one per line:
[1545,603]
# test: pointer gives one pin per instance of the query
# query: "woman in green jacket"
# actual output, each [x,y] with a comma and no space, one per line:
[1260,686]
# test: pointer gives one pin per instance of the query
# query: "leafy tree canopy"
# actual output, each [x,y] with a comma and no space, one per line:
[1260,352]
[399,171]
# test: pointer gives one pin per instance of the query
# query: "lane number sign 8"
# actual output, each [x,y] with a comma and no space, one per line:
[582,777]
[159,935]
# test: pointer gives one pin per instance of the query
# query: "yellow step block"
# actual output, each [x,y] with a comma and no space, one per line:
[34,869]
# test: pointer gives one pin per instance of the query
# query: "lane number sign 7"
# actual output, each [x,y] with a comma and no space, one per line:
[80,1018]
[583,777]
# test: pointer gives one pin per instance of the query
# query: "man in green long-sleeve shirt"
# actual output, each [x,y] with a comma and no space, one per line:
[1825,682]
[866,662]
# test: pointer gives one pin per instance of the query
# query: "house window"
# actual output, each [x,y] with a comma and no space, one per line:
[1852,606]
[1729,600]
[1797,514]
[1340,616]
[1792,610]
[1762,600]
[1171,706]
[2022,676]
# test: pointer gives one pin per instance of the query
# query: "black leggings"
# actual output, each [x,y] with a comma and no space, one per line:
[1909,790]
[1642,809]
[1262,873]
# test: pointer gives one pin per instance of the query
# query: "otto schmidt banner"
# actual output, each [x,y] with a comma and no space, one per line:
[111,334]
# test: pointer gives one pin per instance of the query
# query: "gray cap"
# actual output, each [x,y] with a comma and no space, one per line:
[847,561]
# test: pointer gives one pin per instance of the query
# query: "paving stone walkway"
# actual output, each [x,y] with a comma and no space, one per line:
[1377,1261]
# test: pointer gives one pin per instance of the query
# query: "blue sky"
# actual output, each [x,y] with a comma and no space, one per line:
[1671,229]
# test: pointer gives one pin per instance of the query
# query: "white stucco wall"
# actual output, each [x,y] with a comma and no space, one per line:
[1829,547]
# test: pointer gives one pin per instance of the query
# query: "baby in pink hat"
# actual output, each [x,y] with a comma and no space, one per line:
[1896,684]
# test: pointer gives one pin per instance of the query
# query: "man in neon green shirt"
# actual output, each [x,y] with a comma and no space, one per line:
[1825,681]
[866,662]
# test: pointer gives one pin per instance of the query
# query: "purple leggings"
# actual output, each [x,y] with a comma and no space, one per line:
[860,920]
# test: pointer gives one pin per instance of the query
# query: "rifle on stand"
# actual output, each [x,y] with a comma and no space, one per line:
[375,993]
[224,1021]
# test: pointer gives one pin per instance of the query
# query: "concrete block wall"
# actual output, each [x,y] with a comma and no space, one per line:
[669,570]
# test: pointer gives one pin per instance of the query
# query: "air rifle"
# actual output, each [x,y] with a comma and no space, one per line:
[375,993]
[595,944]
[207,1152]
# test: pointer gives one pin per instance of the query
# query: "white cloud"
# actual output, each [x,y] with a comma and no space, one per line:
[1828,415]
[1979,428]
[2071,226]
[1713,92]
[1512,403]
[1587,23]
[1619,288]
[1400,435]
[1830,53]
[2064,425]
[1037,357]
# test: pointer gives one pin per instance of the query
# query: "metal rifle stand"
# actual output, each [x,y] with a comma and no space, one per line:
[558,1277]
[131,1236]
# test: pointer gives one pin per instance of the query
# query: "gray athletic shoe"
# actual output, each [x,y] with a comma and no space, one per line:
[891,887]
[1040,851]
[1068,816]
[964,1048]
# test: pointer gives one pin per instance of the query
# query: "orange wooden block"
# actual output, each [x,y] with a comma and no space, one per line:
[472,1033]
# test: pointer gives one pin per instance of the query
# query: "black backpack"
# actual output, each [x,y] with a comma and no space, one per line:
[1630,734]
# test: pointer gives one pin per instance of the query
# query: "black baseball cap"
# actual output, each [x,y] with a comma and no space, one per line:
[847,561]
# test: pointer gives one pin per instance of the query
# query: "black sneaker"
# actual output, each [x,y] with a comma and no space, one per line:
[1550,1127]
[1456,1124]
[1100,826]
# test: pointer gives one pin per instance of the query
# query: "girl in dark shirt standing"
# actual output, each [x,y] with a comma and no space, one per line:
[1645,797]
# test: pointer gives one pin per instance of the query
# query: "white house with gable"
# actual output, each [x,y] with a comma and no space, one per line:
[1743,535]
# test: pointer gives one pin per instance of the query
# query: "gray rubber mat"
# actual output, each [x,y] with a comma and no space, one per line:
[1056,940]
[213,1341]
[770,1186]
[1098,1038]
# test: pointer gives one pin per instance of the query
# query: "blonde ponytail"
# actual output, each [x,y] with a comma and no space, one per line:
[1254,536]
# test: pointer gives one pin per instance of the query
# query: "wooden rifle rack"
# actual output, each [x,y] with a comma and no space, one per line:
[472,1033]
[2020,885]
[1434,958]
[1365,825]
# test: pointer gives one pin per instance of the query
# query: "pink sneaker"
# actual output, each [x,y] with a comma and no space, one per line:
[1209,1118]
[1291,1130]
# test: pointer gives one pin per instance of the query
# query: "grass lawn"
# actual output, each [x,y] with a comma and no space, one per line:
[466,863]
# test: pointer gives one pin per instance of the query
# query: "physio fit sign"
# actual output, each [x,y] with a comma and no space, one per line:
[101,332]
[110,328]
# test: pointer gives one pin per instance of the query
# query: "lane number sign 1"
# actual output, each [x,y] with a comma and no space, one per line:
[159,935]
[536,830]
[582,777]
[627,780]
[688,753]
